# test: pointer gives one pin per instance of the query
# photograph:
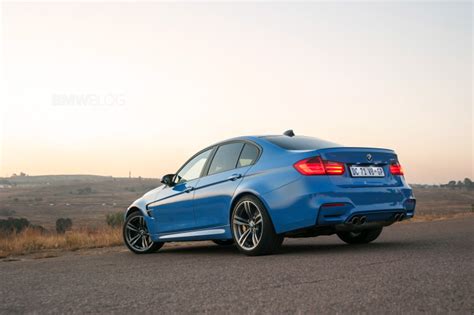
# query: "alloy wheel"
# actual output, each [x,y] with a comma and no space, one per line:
[247,224]
[137,235]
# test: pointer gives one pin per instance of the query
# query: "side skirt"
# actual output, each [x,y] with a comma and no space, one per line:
[214,233]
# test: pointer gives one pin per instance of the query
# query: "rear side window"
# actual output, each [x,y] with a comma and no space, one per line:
[248,156]
[225,158]
[301,143]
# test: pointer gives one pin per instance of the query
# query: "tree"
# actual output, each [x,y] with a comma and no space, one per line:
[468,183]
[452,184]
[63,225]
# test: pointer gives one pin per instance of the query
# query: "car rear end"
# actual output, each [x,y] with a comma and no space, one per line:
[363,185]
[342,186]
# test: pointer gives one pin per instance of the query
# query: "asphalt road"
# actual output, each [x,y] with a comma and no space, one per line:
[416,267]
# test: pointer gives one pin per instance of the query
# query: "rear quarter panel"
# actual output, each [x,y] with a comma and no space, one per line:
[274,181]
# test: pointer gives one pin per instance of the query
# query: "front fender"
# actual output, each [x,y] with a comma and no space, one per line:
[139,204]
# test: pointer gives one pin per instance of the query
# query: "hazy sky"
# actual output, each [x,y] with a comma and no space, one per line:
[108,88]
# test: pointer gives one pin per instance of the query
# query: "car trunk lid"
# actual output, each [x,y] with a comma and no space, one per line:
[360,158]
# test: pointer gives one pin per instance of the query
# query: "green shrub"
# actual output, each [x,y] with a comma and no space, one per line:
[63,225]
[84,191]
[114,219]
[12,225]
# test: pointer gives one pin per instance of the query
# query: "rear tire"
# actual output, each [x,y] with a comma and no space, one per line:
[252,228]
[362,237]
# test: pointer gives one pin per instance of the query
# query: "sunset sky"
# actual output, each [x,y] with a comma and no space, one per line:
[116,87]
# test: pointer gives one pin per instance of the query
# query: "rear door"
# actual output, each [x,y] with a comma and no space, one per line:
[214,192]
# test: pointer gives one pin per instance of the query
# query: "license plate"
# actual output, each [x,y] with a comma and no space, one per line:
[367,171]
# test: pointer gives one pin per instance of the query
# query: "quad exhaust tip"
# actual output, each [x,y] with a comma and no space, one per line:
[358,220]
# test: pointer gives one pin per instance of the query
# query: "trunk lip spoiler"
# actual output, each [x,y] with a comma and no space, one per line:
[338,149]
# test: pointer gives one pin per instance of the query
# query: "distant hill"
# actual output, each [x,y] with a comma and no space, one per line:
[55,179]
[52,179]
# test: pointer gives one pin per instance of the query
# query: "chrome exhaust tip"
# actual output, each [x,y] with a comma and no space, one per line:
[355,220]
[401,217]
[396,217]
[363,220]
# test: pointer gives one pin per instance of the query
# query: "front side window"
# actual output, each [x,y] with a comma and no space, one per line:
[193,168]
[225,158]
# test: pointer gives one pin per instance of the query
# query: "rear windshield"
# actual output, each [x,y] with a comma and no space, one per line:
[301,143]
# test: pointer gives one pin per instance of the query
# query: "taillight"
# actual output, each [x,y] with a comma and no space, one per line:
[396,169]
[333,168]
[317,166]
[311,166]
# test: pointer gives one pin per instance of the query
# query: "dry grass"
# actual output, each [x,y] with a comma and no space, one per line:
[31,241]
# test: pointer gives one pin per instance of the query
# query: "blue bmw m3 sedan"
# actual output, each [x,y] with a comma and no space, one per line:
[254,191]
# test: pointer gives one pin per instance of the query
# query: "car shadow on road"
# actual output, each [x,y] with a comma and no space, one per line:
[198,248]
[291,247]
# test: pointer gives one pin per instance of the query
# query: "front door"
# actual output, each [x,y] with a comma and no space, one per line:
[174,208]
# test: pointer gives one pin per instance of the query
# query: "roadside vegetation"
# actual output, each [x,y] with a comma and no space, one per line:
[18,236]
[33,240]
[115,220]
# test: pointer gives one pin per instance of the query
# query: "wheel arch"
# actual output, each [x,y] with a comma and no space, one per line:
[242,194]
[131,210]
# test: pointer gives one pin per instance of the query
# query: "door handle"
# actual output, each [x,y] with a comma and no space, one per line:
[189,189]
[234,176]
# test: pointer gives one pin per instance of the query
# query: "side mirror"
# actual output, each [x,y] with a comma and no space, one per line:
[168,180]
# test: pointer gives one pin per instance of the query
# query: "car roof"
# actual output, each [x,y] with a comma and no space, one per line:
[289,141]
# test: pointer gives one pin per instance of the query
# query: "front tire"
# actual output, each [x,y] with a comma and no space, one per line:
[362,237]
[252,228]
[136,235]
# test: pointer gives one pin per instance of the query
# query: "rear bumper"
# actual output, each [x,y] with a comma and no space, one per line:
[317,202]
[328,214]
